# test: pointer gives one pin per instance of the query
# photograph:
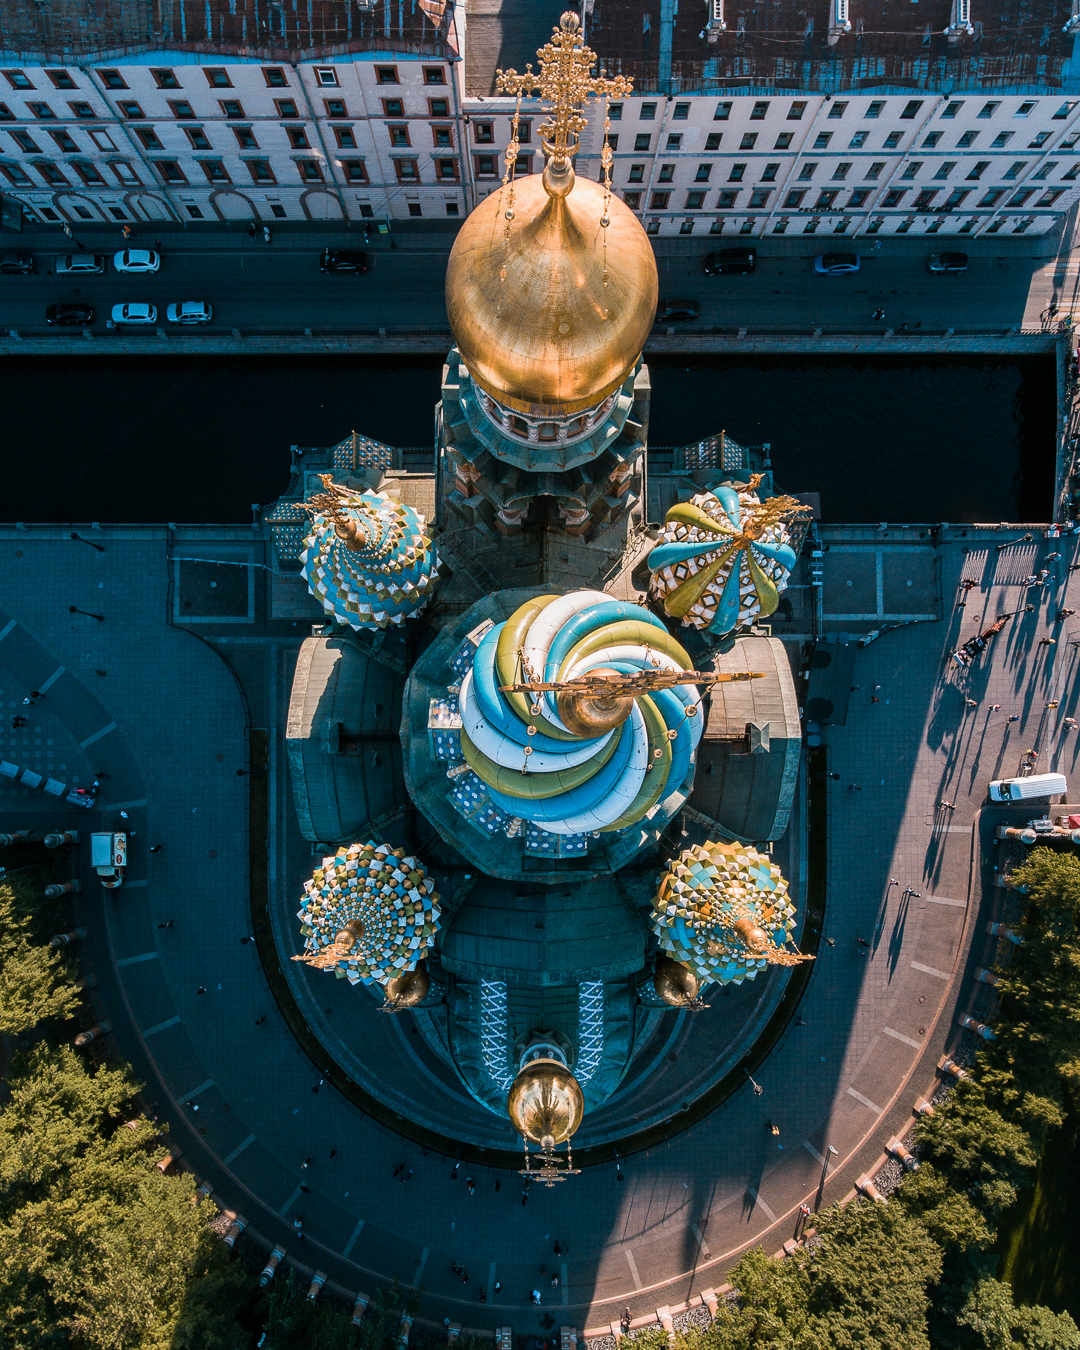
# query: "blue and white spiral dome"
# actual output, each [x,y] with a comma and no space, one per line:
[535,768]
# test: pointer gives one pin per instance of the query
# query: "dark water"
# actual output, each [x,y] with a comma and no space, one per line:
[200,439]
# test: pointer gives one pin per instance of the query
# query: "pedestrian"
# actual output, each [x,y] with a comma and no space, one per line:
[946,805]
[260,1019]
[995,707]
[17,722]
[862,942]
[1031,579]
[524,1196]
[482,1296]
[624,1321]
[799,1022]
[1013,717]
[1029,609]
[154,848]
[306,1161]
[830,942]
[1052,557]
[201,989]
[855,688]
[298,1229]
[498,1285]
[834,776]
[1047,642]
[251,230]
[464,1277]
[305,1189]
[333,1153]
[318,1085]
[498,1187]
[554,1281]
[1063,614]
[558,1249]
[167,924]
[877,688]
[1044,573]
[32,697]
[457,1169]
[471,1185]
[874,698]
[968,584]
[878,314]
[536,1296]
[126,231]
[124,815]
[399,1169]
[773,1129]
[1052,702]
[1070,722]
[971,703]
[854,787]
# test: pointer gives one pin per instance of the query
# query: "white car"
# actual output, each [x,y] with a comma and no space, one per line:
[137,260]
[134,312]
[189,311]
[76,263]
[831,264]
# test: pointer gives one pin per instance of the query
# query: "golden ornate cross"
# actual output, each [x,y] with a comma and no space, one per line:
[564,80]
[643,682]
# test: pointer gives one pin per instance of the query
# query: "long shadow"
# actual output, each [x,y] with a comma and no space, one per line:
[896,940]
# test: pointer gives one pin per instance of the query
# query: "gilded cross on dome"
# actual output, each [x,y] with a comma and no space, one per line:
[565,81]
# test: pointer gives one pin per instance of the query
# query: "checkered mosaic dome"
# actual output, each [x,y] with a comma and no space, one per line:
[704,893]
[705,573]
[382,890]
[384,583]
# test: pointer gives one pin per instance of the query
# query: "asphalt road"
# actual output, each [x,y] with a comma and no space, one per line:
[279,288]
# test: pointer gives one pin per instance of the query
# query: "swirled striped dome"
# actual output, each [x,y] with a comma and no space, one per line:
[369,912]
[387,579]
[534,766]
[723,911]
[723,558]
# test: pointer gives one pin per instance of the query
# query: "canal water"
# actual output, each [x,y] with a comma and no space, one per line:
[200,439]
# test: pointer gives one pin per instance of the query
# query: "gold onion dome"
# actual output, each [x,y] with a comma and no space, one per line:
[551,285]
[545,1103]
[370,913]
[723,912]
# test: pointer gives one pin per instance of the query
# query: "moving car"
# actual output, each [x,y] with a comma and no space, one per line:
[108,858]
[343,260]
[1035,785]
[12,262]
[831,264]
[137,260]
[948,262]
[75,264]
[134,312]
[741,260]
[69,315]
[676,309]
[189,311]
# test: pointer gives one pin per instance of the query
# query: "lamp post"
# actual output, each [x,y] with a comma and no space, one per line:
[74,609]
[758,1089]
[1023,539]
[75,535]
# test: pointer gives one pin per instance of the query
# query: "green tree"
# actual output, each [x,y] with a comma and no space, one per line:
[989,1320]
[35,980]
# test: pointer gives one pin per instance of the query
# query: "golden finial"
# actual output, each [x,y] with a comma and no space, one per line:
[333,501]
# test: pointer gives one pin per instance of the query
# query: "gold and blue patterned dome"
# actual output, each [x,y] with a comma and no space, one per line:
[723,558]
[723,911]
[370,913]
[576,764]
[368,559]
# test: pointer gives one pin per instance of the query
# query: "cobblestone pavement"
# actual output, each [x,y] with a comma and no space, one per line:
[159,710]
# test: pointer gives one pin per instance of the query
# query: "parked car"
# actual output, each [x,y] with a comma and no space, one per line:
[108,858]
[948,262]
[676,309]
[831,264]
[134,312]
[76,264]
[1022,789]
[343,260]
[137,260]
[189,311]
[11,261]
[69,315]
[740,260]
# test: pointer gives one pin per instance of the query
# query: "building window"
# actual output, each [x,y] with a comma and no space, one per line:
[748,141]
[181,108]
[837,109]
[102,139]
[989,109]
[978,169]
[842,170]
[1072,173]
[667,173]
[968,138]
[722,113]
[18,80]
[217,77]
[1040,140]
[615,112]
[992,197]
[1015,168]
[484,166]
[231,107]
[310,170]
[61,79]
[703,172]
[297,138]
[956,198]
[783,141]
[912,170]
[354,170]
[451,208]
[911,110]
[345,137]
[1024,109]
[894,197]
[925,197]
[434,75]
[335,107]
[78,109]
[484,133]
[245,138]
[653,227]
[275,77]
[637,173]
[758,112]
[876,108]
[170,170]
[1001,139]
[198,138]
[112,79]
[695,201]
[386,75]
[633,200]
[446,170]
[125,173]
[1045,170]
[807,171]
[647,112]
[407,170]
[951,109]
[641,141]
[769,172]
[1049,197]
[892,140]
[439,107]
[932,139]
[286,107]
[25,142]
[399,135]
[6,115]
[523,165]
[613,141]
[326,76]
[165,78]
[759,198]
[89,173]
[659,201]
[726,201]
[674,141]
[131,110]
[1065,109]
[858,197]
[214,169]
[260,170]
[874,171]
[41,110]
[736,174]
[794,198]
[858,140]
[825,200]
[681,113]
[65,142]
[712,140]
[16,175]
[1020,197]
[822,139]
[687,227]
[149,138]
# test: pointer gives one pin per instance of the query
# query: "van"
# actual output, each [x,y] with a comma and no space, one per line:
[108,857]
[1021,789]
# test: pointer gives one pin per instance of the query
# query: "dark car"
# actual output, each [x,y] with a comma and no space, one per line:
[740,260]
[343,260]
[16,262]
[676,309]
[69,315]
[948,262]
